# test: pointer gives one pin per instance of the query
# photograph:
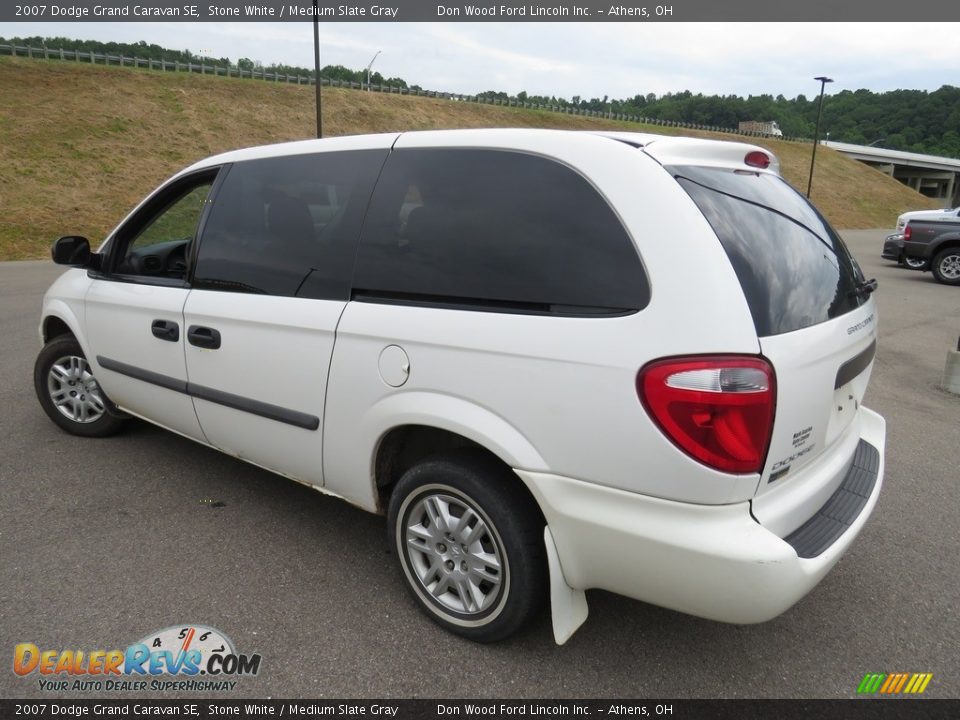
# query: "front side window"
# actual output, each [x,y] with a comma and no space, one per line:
[158,241]
[495,229]
[288,225]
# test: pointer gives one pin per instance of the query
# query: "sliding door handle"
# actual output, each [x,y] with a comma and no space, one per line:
[203,337]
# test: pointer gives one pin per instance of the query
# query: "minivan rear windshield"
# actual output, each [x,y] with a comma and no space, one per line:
[794,269]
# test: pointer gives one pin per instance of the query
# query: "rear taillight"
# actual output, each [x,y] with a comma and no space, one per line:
[907,232]
[717,409]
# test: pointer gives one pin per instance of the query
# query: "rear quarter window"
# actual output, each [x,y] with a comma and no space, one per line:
[794,269]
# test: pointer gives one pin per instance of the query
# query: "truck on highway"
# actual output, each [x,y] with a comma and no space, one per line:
[767,127]
[937,243]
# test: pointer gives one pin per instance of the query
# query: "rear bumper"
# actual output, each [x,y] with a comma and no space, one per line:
[715,562]
[892,247]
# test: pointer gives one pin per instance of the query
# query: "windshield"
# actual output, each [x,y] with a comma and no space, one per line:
[794,269]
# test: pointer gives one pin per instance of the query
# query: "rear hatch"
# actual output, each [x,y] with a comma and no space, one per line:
[815,323]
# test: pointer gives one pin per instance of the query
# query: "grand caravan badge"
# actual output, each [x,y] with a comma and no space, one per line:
[860,325]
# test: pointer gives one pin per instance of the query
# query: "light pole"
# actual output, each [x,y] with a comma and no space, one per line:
[368,69]
[816,133]
[316,65]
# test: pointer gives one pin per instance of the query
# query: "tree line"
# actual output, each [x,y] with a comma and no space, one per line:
[911,120]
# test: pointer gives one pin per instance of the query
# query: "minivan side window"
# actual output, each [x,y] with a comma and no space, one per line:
[155,245]
[495,229]
[288,225]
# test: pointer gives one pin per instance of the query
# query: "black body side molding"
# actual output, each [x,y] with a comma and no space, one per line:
[237,402]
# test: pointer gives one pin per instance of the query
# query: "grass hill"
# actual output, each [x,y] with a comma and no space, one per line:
[80,145]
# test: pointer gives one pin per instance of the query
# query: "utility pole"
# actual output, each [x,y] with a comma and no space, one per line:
[816,133]
[316,66]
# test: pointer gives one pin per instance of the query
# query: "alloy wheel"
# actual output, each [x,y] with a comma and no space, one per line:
[950,266]
[74,391]
[454,553]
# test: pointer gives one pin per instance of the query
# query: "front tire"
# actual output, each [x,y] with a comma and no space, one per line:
[469,540]
[946,266]
[69,393]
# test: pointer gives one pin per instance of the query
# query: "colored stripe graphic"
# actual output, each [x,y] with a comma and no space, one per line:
[922,685]
[901,681]
[894,683]
[871,683]
[890,682]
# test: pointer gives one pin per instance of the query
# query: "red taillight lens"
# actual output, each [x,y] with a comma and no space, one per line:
[719,410]
[757,159]
[907,232]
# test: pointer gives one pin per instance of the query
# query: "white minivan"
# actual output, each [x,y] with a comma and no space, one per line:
[554,360]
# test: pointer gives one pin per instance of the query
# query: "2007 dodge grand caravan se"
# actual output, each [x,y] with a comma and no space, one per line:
[555,360]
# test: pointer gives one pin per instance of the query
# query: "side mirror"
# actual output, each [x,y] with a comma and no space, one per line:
[71,250]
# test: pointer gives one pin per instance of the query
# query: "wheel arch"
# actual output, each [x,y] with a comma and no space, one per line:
[951,243]
[355,447]
[60,319]
[53,326]
[403,446]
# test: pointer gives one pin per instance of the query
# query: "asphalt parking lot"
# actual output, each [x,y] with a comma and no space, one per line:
[104,541]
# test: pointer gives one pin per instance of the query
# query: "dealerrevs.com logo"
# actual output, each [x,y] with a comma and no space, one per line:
[178,658]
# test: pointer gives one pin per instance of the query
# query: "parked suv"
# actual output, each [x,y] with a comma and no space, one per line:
[556,361]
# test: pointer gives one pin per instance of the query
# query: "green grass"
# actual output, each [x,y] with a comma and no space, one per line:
[80,145]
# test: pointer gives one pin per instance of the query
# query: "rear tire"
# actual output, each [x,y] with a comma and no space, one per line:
[946,266]
[913,263]
[69,393]
[469,541]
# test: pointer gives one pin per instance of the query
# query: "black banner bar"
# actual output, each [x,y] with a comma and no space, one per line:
[859,709]
[482,11]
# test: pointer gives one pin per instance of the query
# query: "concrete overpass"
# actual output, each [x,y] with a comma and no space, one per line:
[936,177]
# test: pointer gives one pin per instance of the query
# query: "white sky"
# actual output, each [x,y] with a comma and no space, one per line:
[589,59]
